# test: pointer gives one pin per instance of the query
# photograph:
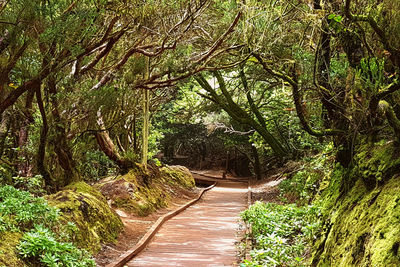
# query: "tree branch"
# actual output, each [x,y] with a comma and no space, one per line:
[297,98]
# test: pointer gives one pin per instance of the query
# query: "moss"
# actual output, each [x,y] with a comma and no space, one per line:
[365,228]
[83,187]
[8,253]
[144,201]
[362,226]
[144,191]
[178,175]
[377,162]
[87,208]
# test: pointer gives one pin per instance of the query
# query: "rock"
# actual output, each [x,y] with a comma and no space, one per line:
[86,207]
[141,192]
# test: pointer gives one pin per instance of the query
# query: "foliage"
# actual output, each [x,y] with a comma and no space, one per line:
[41,244]
[372,73]
[281,234]
[44,239]
[303,184]
[95,165]
[20,211]
[34,185]
[155,138]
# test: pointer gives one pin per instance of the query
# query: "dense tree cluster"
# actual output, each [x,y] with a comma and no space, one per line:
[74,70]
[78,77]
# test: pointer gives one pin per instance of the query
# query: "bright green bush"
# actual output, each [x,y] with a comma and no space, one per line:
[19,210]
[40,244]
[281,233]
[303,185]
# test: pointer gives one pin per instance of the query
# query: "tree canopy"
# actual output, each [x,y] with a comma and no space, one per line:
[277,77]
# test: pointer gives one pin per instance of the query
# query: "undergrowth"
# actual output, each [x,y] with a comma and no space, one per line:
[303,185]
[19,210]
[281,234]
[41,245]
[44,242]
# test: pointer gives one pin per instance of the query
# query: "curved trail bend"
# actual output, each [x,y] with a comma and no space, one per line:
[202,235]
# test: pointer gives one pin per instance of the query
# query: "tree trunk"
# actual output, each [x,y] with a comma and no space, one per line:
[4,130]
[135,146]
[40,162]
[146,119]
[145,130]
[107,146]
[60,142]
[256,165]
[239,114]
[13,96]
[332,98]
[25,167]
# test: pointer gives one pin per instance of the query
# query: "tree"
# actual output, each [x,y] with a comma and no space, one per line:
[225,101]
[66,53]
[349,98]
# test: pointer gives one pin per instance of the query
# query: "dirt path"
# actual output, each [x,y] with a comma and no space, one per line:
[202,235]
[137,226]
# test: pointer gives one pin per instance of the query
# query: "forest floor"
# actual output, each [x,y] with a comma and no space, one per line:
[135,227]
[267,190]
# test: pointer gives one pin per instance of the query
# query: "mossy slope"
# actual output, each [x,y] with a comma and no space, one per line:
[143,191]
[88,209]
[363,222]
[8,252]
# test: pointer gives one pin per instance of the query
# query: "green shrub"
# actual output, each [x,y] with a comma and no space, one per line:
[281,233]
[303,185]
[33,184]
[19,210]
[41,245]
[95,165]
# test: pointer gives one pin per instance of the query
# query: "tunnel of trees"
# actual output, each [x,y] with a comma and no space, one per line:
[284,75]
[90,88]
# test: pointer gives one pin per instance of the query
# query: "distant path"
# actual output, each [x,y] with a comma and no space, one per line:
[202,235]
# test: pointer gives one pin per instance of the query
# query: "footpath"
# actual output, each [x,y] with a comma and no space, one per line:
[202,235]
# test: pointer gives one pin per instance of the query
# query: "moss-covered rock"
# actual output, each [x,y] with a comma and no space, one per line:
[88,209]
[362,226]
[377,162]
[178,175]
[364,229]
[8,253]
[143,191]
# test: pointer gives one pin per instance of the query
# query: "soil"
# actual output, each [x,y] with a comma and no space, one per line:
[267,190]
[135,227]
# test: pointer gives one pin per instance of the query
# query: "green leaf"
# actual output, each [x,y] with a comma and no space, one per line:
[338,18]
[253,59]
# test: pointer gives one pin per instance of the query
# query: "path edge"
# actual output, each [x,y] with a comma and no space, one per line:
[145,240]
[248,243]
